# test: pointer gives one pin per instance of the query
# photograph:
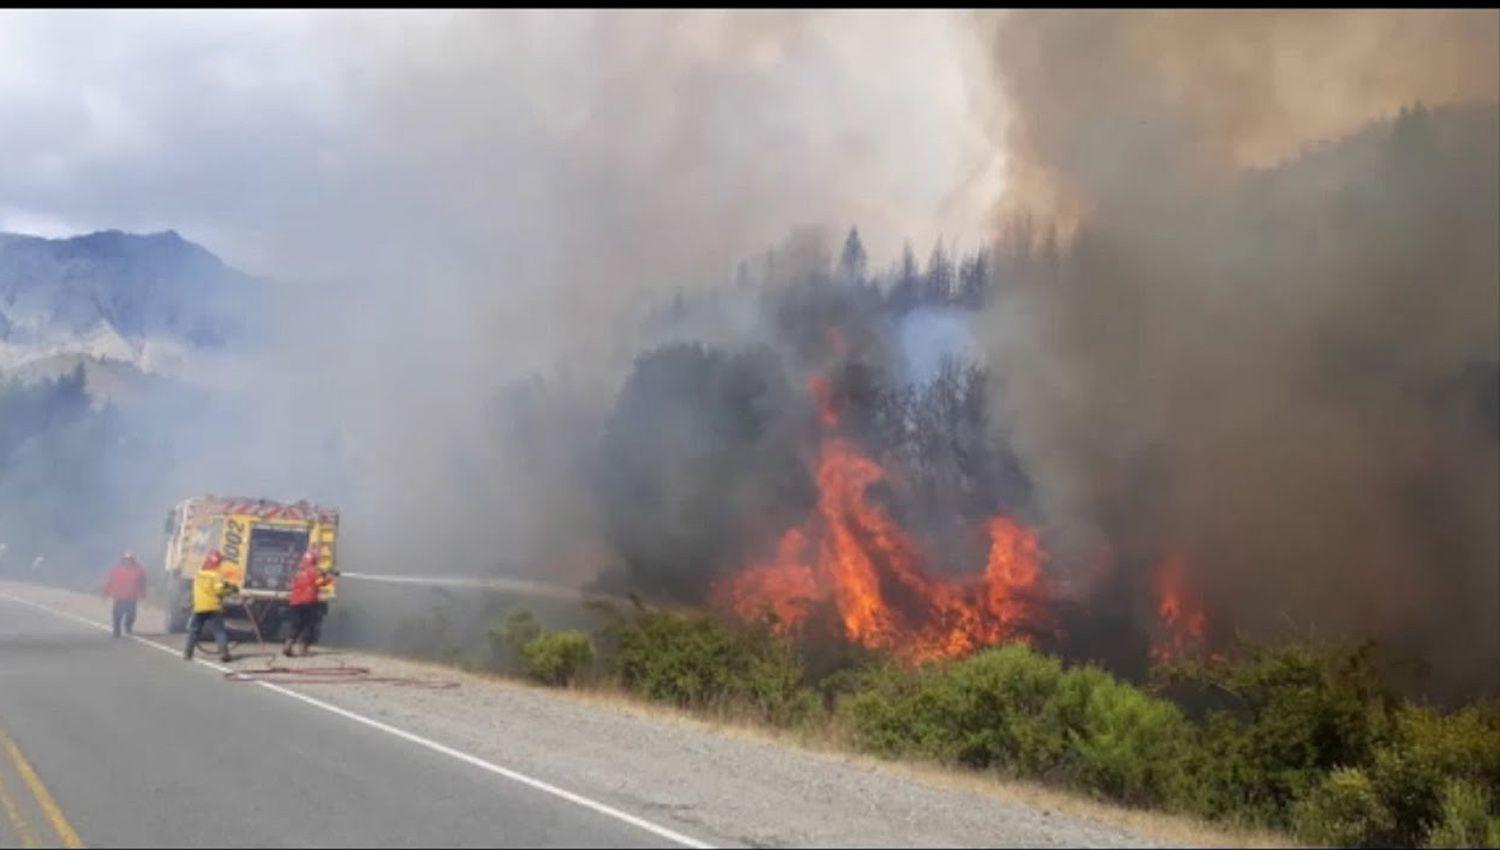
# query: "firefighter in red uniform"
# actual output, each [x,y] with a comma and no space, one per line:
[126,585]
[305,607]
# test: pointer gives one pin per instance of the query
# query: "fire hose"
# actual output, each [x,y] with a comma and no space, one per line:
[340,675]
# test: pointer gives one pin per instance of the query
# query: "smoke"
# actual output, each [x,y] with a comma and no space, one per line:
[557,174]
[1125,105]
[467,214]
[931,336]
[1268,338]
[1273,339]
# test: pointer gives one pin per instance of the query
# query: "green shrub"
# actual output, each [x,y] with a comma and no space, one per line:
[998,701]
[696,661]
[1023,713]
[1302,712]
[1425,754]
[1410,784]
[520,628]
[687,660]
[555,658]
[881,709]
[1343,810]
[1465,743]
[506,640]
[1227,776]
[773,687]
[1125,744]
[1312,740]
[1467,817]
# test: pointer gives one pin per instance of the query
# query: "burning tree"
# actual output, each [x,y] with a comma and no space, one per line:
[852,551]
[864,496]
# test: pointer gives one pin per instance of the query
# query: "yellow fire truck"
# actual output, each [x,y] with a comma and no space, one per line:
[261,541]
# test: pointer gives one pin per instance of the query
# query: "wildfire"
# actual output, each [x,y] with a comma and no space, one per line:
[852,560]
[786,587]
[822,392]
[852,553]
[1184,624]
[1012,573]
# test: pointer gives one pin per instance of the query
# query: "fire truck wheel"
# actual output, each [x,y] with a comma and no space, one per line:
[177,610]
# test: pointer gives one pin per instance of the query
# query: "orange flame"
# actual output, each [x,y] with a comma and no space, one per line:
[822,392]
[785,587]
[1012,573]
[1184,624]
[853,553]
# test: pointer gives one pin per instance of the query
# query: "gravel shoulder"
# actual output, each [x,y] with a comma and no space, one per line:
[723,785]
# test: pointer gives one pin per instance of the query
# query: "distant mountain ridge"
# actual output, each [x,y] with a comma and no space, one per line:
[110,296]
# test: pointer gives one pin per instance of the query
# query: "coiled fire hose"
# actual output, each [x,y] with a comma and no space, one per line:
[341,675]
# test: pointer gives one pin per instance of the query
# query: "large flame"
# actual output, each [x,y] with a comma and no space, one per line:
[850,552]
[850,557]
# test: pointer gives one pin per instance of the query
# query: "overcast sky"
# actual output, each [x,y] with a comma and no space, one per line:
[304,144]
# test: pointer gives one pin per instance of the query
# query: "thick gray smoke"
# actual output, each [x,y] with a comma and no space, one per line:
[558,173]
[1273,340]
[467,212]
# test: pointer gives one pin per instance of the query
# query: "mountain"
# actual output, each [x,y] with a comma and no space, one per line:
[113,297]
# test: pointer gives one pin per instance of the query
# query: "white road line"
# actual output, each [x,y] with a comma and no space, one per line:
[496,769]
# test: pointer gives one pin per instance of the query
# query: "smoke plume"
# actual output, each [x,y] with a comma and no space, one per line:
[467,214]
[1270,341]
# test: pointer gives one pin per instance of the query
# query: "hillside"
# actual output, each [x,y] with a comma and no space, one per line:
[145,300]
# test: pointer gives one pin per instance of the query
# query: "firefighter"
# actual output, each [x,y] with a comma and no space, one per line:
[306,609]
[126,585]
[209,590]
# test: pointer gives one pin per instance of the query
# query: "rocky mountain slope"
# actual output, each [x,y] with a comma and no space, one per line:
[145,301]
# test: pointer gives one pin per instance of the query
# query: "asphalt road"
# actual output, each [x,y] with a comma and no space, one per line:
[107,742]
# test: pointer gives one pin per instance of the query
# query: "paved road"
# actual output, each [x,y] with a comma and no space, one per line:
[111,743]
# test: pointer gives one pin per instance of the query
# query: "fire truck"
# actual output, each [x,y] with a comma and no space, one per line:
[261,542]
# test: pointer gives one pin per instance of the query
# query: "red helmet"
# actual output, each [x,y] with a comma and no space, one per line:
[215,557]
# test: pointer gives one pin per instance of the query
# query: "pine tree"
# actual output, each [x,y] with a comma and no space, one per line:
[906,291]
[853,260]
[937,283]
[973,281]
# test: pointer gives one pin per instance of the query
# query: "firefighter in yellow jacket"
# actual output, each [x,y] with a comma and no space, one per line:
[209,590]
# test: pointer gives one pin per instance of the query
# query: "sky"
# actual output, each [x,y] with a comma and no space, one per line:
[311,145]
